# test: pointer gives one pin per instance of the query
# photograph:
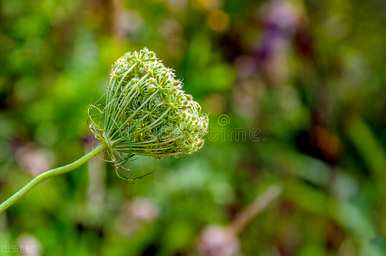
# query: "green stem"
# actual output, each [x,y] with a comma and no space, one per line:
[48,174]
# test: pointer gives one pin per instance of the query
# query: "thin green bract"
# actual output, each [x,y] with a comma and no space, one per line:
[146,112]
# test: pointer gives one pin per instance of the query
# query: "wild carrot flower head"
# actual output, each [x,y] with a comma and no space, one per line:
[146,112]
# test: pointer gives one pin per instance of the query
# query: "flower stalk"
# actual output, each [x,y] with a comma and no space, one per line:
[145,112]
[49,174]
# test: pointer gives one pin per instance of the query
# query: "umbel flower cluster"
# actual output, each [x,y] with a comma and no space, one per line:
[146,112]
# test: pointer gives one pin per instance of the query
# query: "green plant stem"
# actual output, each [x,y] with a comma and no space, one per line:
[258,205]
[48,174]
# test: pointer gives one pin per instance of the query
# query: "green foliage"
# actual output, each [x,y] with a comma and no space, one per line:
[294,96]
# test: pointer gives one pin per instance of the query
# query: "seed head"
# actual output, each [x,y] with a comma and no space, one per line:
[146,112]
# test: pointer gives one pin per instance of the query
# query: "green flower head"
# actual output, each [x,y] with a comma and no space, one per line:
[146,112]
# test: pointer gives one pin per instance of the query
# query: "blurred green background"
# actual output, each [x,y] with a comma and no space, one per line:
[296,94]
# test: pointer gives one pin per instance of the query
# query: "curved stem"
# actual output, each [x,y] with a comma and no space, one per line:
[258,205]
[48,174]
